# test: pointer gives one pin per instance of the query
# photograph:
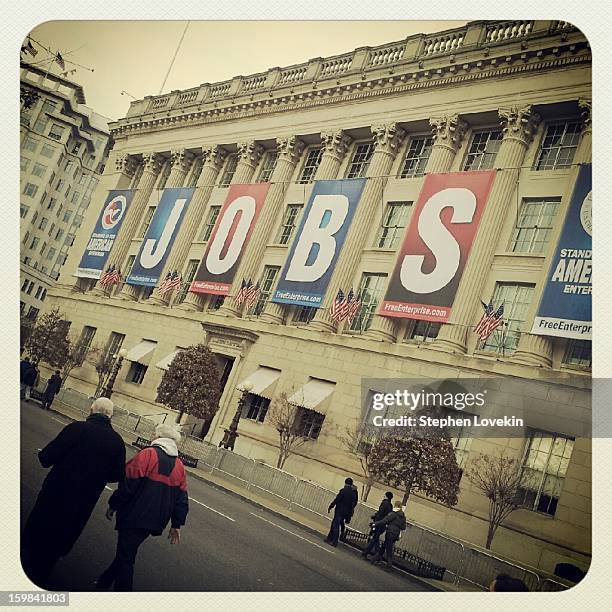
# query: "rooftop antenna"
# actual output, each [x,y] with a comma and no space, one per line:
[173,58]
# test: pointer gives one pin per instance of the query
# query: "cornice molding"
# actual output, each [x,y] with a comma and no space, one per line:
[419,79]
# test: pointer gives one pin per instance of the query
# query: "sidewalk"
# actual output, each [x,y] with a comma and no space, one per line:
[317,525]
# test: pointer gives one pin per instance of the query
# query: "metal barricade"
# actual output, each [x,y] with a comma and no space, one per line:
[235,466]
[313,497]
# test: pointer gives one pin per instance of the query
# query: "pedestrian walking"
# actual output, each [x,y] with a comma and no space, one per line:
[83,458]
[53,386]
[344,505]
[30,377]
[153,493]
[343,524]
[384,509]
[394,523]
[24,367]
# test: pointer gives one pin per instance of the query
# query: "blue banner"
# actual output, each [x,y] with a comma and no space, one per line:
[565,308]
[160,236]
[95,256]
[318,242]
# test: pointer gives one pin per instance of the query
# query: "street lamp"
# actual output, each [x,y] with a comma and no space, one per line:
[108,388]
[231,433]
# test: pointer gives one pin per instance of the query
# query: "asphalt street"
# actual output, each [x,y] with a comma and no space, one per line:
[228,544]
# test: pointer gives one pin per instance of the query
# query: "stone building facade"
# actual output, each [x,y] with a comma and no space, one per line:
[64,148]
[513,96]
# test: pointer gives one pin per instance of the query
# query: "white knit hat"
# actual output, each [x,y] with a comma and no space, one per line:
[164,430]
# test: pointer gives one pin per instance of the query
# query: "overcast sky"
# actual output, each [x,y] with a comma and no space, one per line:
[135,55]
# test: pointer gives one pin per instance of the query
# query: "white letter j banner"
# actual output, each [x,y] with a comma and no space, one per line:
[160,236]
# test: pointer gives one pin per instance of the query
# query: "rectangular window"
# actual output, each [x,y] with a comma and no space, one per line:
[51,253]
[43,296]
[43,223]
[311,165]
[216,301]
[578,354]
[23,210]
[146,222]
[145,293]
[136,373]
[24,286]
[30,287]
[34,243]
[56,132]
[188,276]
[417,157]
[33,313]
[40,125]
[483,149]
[461,439]
[30,189]
[292,212]
[60,233]
[309,423]
[75,197]
[84,344]
[267,166]
[516,300]
[39,169]
[30,144]
[547,456]
[24,162]
[558,146]
[194,176]
[49,106]
[42,248]
[534,225]
[26,238]
[370,290]
[228,173]
[393,225]
[115,340]
[76,148]
[163,175]
[67,216]
[265,289]
[51,204]
[304,314]
[213,213]
[361,160]
[422,331]
[38,292]
[256,407]
[50,232]
[34,217]
[47,151]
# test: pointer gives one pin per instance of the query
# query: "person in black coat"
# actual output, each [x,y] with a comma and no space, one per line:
[24,367]
[344,505]
[29,379]
[83,458]
[384,509]
[395,523]
[53,387]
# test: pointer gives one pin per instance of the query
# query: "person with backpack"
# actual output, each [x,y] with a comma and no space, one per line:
[153,494]
[394,523]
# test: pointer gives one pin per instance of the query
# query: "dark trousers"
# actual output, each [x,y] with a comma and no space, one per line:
[121,571]
[387,549]
[374,543]
[47,401]
[38,564]
[335,529]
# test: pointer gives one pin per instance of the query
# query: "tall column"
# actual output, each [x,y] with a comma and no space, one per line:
[289,149]
[448,133]
[388,139]
[335,146]
[180,162]
[250,153]
[249,156]
[125,168]
[519,126]
[533,349]
[212,160]
[152,166]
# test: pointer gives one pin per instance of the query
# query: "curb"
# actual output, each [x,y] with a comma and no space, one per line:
[354,550]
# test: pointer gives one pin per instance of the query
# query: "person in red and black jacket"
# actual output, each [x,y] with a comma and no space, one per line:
[153,493]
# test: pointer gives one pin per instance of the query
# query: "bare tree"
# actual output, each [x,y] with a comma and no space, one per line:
[102,361]
[360,441]
[282,415]
[498,477]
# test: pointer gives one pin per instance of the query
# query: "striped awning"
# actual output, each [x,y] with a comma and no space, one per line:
[164,363]
[262,381]
[142,352]
[313,395]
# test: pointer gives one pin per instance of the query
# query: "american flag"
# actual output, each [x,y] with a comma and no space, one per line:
[170,283]
[163,286]
[490,320]
[241,295]
[336,309]
[251,295]
[112,276]
[104,278]
[354,306]
[345,308]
